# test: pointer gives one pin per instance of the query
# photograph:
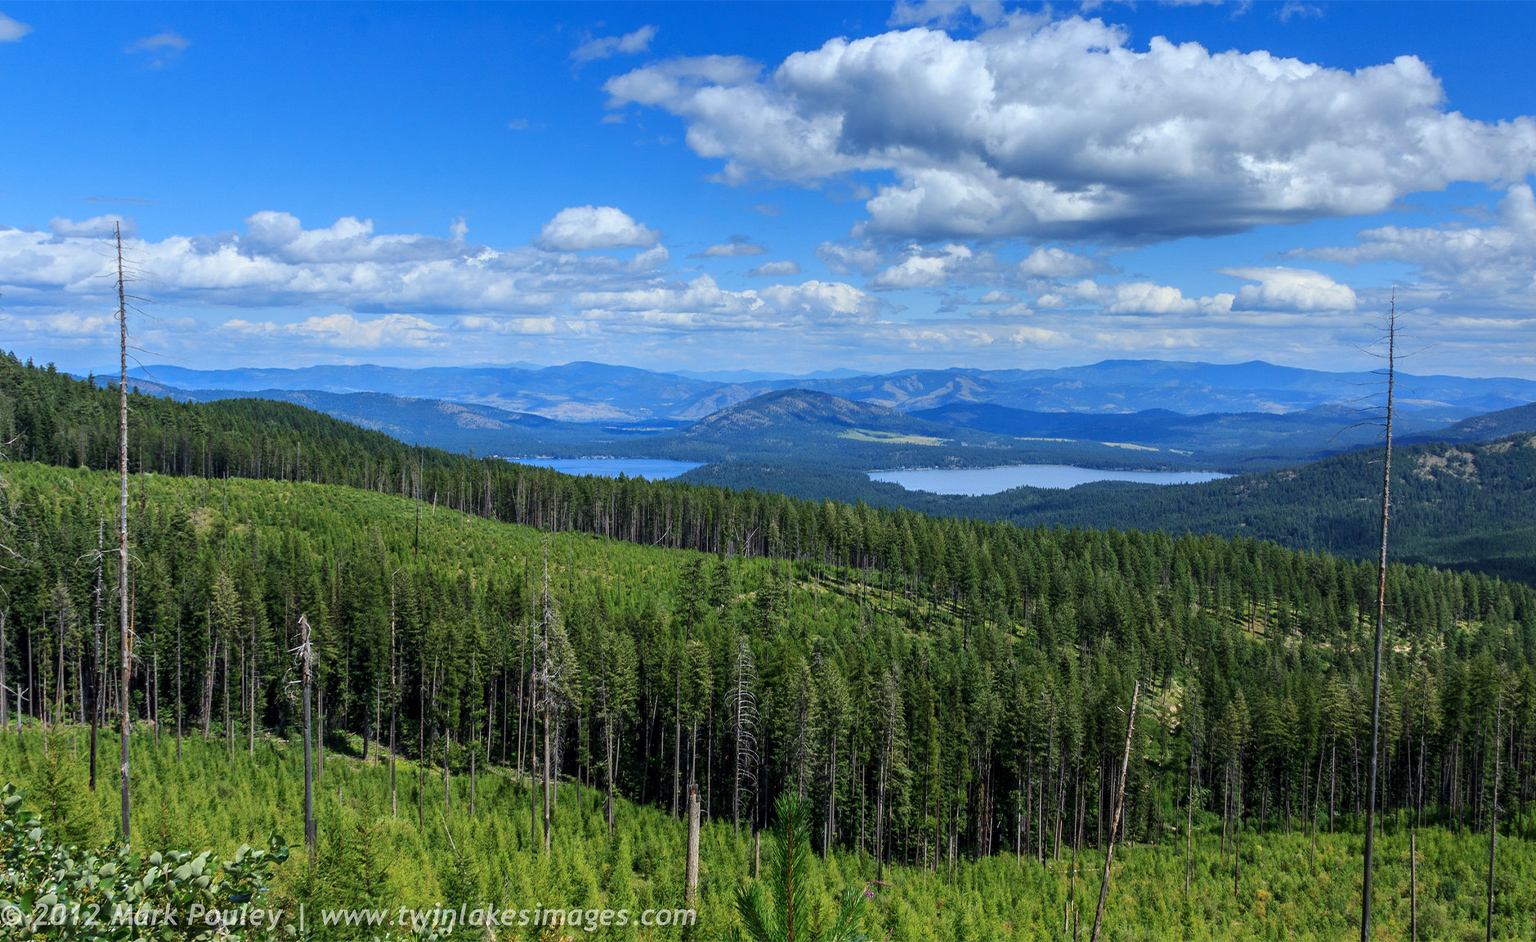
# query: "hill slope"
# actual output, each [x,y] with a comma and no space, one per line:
[1467,506]
[1481,428]
[797,427]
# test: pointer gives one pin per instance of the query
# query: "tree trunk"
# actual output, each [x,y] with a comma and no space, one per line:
[1381,627]
[309,773]
[1109,853]
[122,531]
[692,866]
[1413,886]
[1493,820]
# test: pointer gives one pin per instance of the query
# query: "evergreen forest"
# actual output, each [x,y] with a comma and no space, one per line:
[519,678]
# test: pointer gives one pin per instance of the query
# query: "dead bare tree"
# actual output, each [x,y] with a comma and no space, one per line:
[1493,822]
[306,657]
[98,667]
[125,630]
[1114,824]
[1381,626]
[742,703]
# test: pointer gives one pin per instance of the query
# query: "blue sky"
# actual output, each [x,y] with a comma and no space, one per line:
[771,186]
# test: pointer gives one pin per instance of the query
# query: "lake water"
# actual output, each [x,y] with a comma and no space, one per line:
[654,469]
[975,482]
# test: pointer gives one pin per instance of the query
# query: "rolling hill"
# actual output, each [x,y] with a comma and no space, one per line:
[596,392]
[1463,505]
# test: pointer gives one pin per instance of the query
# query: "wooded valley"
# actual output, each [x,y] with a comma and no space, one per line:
[951,696]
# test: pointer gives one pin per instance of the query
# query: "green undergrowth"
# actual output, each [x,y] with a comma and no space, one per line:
[369,857]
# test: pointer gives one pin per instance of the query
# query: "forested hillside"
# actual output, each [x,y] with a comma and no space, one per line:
[959,693]
[1467,506]
[940,689]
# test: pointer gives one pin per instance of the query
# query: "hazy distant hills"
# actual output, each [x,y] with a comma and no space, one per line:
[1318,430]
[595,392]
[576,392]
[1191,388]
[1483,427]
[1122,414]
[802,409]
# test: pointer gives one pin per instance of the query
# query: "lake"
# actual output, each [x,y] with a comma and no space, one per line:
[975,482]
[654,469]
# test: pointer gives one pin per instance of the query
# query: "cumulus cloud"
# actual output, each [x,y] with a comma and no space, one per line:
[1147,297]
[654,258]
[739,246]
[580,228]
[394,291]
[11,31]
[1057,263]
[922,268]
[278,262]
[1491,265]
[345,332]
[822,301]
[775,269]
[97,227]
[1290,289]
[1063,129]
[845,259]
[606,47]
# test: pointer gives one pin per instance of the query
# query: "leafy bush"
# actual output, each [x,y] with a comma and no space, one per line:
[55,890]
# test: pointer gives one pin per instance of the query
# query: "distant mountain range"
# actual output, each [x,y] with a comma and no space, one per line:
[1121,414]
[601,393]
[1462,487]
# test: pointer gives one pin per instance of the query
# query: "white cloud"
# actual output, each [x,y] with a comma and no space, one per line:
[97,227]
[1485,266]
[506,325]
[280,266]
[945,14]
[997,297]
[11,31]
[345,332]
[775,269]
[654,258]
[1294,10]
[821,301]
[703,304]
[605,47]
[70,325]
[1064,129]
[844,259]
[580,228]
[739,246]
[1146,297]
[1290,290]
[1056,263]
[162,48]
[922,269]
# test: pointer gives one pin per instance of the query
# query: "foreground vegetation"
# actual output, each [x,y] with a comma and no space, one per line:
[374,858]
